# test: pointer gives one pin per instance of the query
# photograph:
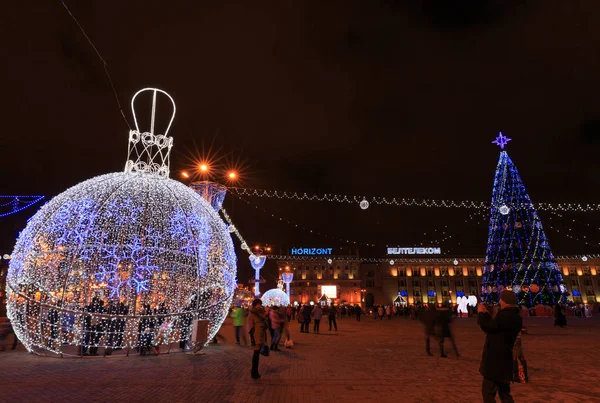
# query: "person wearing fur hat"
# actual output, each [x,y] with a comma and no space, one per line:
[497,358]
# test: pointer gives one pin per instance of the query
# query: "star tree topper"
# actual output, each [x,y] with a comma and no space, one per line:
[501,140]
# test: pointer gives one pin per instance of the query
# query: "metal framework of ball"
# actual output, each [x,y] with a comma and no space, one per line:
[275,297]
[120,260]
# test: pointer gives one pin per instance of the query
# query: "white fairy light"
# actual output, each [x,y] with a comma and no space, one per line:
[403,201]
[91,262]
[584,258]
[455,262]
[364,204]
[329,261]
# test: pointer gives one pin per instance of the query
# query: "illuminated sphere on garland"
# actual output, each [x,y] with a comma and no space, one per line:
[134,251]
[275,297]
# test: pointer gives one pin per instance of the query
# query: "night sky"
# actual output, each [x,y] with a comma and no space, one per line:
[387,98]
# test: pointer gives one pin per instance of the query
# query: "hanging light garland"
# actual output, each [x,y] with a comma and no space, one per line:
[569,233]
[364,202]
[233,229]
[13,204]
[300,226]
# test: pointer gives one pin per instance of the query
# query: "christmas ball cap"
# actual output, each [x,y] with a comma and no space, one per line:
[149,152]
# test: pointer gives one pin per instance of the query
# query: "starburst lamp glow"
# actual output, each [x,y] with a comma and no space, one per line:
[119,255]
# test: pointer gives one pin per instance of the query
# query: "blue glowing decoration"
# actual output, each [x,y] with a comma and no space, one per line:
[212,192]
[257,262]
[501,140]
[140,285]
[431,293]
[13,204]
[518,253]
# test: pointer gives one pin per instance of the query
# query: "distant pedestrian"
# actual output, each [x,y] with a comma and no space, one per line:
[388,312]
[332,314]
[317,314]
[428,319]
[497,358]
[276,319]
[300,317]
[559,315]
[239,320]
[357,311]
[380,312]
[256,322]
[519,358]
[307,316]
[442,327]
[4,332]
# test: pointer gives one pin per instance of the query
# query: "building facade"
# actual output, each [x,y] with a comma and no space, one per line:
[407,281]
[336,278]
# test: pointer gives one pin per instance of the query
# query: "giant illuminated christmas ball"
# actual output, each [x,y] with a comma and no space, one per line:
[122,255]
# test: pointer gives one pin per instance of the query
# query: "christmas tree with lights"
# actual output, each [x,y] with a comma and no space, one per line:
[518,255]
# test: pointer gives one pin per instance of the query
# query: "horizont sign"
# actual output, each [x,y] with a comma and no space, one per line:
[312,251]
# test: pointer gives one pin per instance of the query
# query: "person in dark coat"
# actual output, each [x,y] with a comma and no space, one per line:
[442,329]
[331,315]
[497,358]
[358,311]
[428,319]
[559,315]
[307,317]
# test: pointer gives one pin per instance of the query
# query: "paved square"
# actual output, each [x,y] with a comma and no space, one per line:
[378,361]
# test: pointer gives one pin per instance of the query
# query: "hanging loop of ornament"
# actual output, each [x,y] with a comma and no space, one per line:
[148,152]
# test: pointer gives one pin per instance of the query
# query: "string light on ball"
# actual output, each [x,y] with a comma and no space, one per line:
[134,256]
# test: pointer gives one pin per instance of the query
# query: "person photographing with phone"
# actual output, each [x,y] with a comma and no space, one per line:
[497,358]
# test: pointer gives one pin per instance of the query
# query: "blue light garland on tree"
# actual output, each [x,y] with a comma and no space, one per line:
[518,255]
